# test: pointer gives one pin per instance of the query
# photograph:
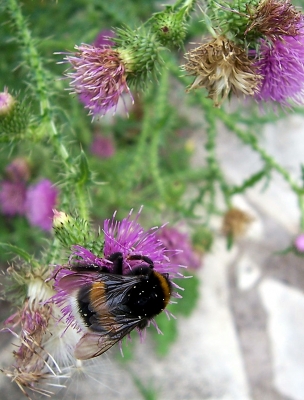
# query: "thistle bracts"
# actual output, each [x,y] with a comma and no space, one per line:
[14,117]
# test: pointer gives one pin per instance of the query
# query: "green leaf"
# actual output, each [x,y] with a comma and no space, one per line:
[84,170]
[21,253]
[147,392]
[186,305]
[128,348]
[230,240]
[170,334]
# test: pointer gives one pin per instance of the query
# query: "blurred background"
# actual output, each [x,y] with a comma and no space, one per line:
[239,331]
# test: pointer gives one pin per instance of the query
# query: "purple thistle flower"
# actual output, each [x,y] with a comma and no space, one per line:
[136,248]
[281,65]
[103,146]
[18,170]
[104,38]
[12,198]
[99,77]
[299,243]
[40,201]
[129,238]
[172,239]
[13,189]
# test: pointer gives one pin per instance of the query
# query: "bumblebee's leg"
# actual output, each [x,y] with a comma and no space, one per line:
[143,258]
[82,267]
[117,259]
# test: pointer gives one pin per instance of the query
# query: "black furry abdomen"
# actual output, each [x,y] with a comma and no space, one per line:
[146,298]
[83,303]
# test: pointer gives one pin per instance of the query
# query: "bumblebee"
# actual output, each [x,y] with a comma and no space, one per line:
[113,304]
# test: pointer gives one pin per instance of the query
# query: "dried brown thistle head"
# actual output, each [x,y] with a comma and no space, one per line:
[221,67]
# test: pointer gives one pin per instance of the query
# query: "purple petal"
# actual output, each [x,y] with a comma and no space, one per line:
[12,198]
[40,201]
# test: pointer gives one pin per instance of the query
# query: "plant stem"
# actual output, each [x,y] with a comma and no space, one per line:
[41,79]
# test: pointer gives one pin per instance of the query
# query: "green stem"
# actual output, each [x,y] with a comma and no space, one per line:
[188,4]
[158,129]
[251,140]
[32,59]
[40,77]
[301,206]
[179,4]
[134,172]
[82,200]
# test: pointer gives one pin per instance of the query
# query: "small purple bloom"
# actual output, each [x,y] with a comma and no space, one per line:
[281,65]
[130,238]
[6,102]
[12,198]
[103,146]
[18,170]
[99,77]
[104,38]
[40,201]
[174,239]
[299,243]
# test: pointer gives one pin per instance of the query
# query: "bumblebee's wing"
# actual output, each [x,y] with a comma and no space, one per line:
[93,344]
[110,322]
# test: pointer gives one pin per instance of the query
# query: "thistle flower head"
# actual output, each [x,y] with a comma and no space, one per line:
[299,243]
[12,198]
[40,201]
[18,170]
[129,237]
[220,66]
[134,247]
[99,77]
[172,238]
[236,222]
[103,39]
[33,326]
[280,63]
[103,146]
[274,18]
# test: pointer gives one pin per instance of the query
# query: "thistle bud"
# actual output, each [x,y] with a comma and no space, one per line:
[60,219]
[69,230]
[72,231]
[170,28]
[14,116]
[6,103]
[234,20]
[139,51]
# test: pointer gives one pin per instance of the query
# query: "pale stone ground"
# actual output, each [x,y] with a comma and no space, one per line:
[245,340]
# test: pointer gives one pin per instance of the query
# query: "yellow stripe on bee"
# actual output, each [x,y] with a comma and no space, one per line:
[98,298]
[165,286]
[97,292]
